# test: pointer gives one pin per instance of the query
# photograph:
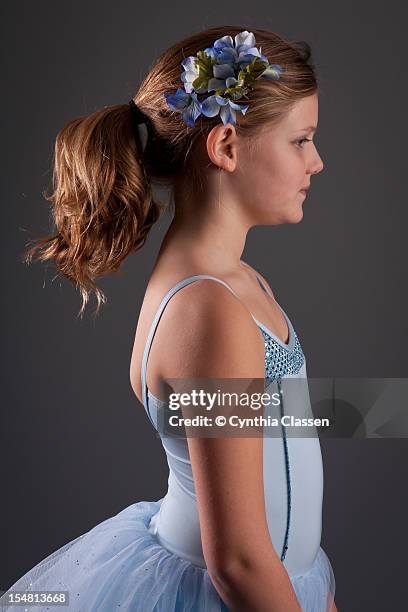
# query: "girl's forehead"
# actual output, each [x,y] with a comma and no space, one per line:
[302,117]
[303,114]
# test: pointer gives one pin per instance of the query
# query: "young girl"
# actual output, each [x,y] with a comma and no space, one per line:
[226,117]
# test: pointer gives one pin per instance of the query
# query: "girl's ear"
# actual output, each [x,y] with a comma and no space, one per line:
[222,146]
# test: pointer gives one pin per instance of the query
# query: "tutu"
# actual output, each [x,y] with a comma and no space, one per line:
[119,565]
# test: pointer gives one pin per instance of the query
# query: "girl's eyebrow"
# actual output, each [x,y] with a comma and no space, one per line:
[311,128]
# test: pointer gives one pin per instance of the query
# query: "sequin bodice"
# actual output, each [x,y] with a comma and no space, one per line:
[280,361]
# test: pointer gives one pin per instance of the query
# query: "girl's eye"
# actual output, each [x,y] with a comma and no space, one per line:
[302,140]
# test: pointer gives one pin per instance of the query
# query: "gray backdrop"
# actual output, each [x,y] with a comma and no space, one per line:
[76,444]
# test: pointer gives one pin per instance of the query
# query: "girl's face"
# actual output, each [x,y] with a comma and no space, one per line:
[271,177]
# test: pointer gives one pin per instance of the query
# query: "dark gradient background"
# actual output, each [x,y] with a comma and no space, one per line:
[76,444]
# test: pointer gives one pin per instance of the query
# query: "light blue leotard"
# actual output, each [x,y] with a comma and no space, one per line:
[149,557]
[176,524]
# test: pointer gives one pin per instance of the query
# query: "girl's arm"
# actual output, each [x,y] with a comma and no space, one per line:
[224,342]
[241,560]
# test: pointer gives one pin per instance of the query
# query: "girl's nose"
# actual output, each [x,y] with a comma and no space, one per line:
[317,165]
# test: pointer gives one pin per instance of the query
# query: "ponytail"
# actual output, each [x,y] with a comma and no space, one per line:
[102,200]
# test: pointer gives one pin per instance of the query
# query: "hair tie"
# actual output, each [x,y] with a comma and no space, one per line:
[138,115]
[140,121]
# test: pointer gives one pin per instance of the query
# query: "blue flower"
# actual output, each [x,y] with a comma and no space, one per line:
[230,68]
[273,72]
[191,72]
[185,102]
[225,107]
[224,76]
[239,51]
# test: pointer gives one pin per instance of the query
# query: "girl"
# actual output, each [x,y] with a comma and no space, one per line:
[226,117]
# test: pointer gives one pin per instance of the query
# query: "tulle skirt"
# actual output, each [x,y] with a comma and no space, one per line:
[119,565]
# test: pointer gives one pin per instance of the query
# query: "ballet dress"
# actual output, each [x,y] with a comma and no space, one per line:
[149,556]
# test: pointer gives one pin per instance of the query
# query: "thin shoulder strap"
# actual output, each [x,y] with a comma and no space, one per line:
[153,327]
[259,279]
[263,285]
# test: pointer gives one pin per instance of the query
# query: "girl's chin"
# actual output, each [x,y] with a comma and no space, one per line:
[297,214]
[292,212]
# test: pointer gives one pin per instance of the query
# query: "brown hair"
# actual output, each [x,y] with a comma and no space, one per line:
[102,201]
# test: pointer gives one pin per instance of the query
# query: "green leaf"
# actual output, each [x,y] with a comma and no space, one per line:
[253,71]
[204,64]
[235,93]
[200,81]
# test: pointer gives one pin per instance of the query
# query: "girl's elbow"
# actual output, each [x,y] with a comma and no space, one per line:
[229,571]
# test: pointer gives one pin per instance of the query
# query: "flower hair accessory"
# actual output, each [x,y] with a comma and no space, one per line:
[229,68]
